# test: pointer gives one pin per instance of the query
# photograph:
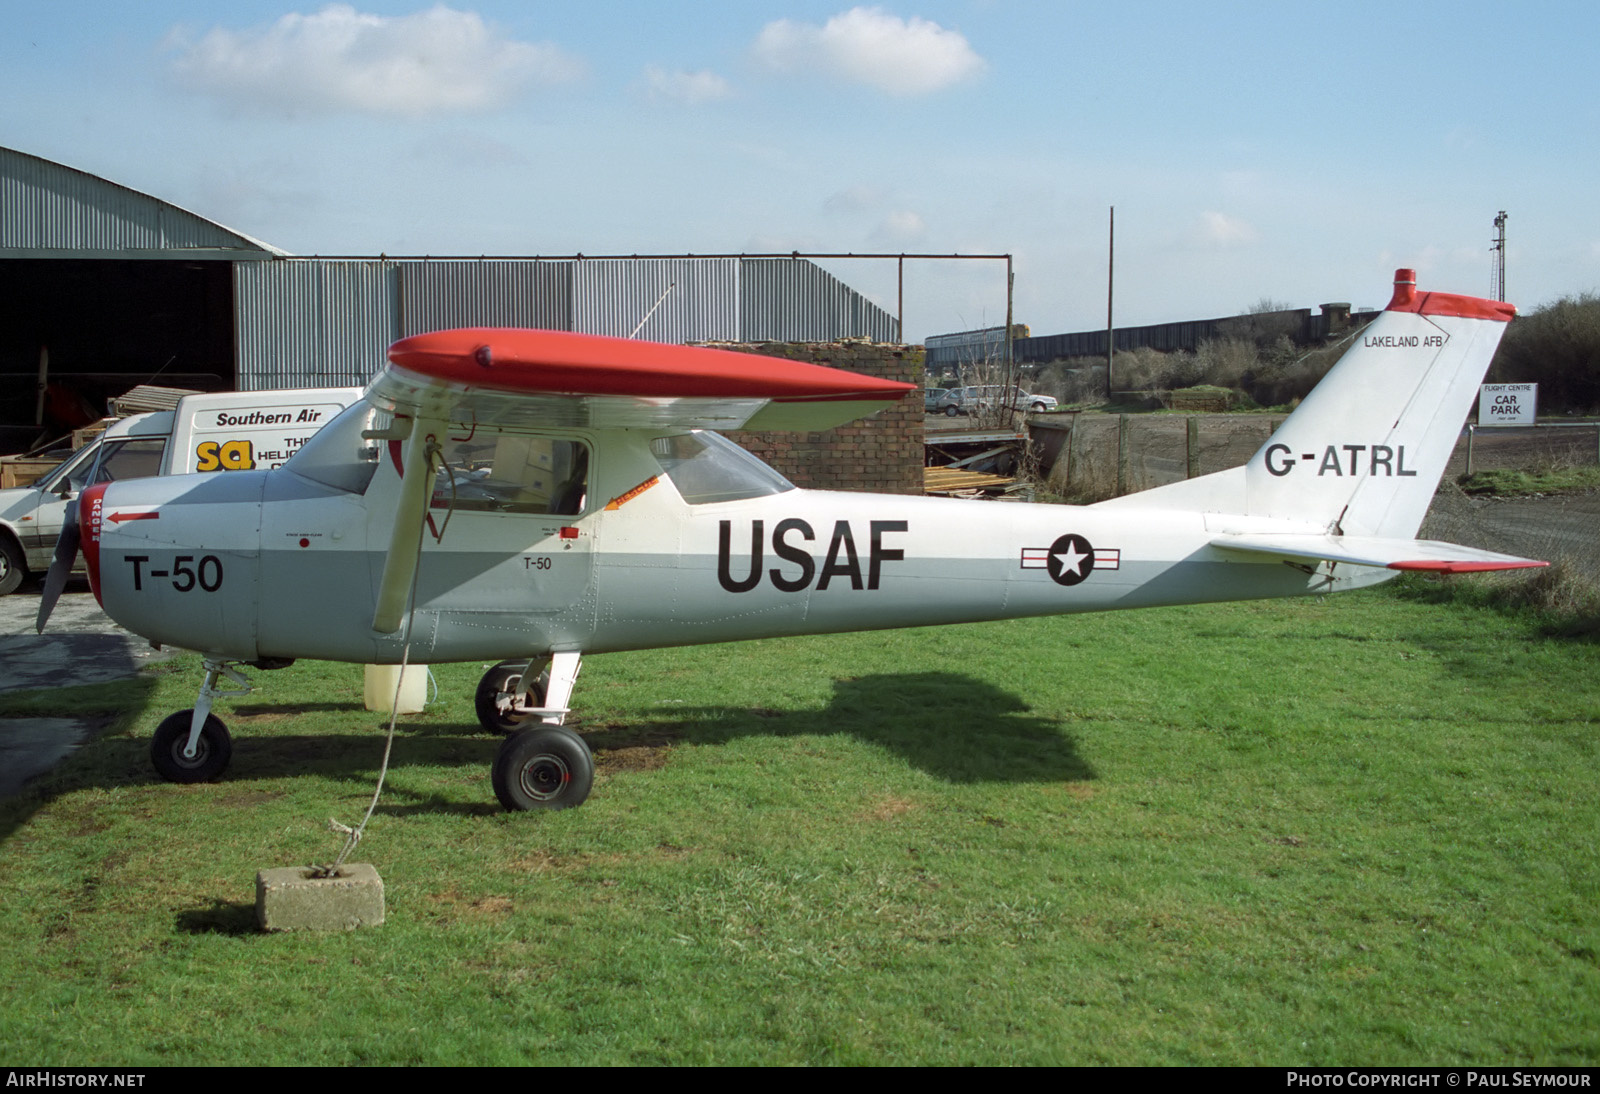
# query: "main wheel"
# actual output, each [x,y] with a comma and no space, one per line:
[951,411]
[500,680]
[1038,408]
[212,751]
[13,567]
[545,768]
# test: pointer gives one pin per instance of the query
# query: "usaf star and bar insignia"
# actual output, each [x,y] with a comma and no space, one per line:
[1070,559]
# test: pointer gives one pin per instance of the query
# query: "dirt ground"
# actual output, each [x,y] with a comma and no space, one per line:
[1560,528]
[1529,449]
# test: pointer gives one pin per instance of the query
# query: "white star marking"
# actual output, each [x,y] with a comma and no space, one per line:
[1072,559]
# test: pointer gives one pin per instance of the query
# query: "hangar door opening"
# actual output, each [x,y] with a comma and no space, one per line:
[97,327]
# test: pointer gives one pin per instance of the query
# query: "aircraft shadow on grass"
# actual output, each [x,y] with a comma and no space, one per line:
[953,727]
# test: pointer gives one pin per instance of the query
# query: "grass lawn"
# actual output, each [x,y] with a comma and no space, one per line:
[1360,830]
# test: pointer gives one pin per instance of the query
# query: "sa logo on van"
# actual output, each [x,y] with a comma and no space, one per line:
[1070,559]
[225,456]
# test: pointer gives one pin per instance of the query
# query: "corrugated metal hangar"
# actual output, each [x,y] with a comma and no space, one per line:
[103,287]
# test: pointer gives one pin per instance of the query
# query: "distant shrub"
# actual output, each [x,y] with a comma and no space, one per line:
[1255,357]
[1558,348]
[1512,482]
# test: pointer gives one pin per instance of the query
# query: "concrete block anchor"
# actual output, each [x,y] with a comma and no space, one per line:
[291,898]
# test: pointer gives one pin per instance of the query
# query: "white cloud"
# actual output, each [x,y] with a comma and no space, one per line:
[437,61]
[902,226]
[1220,229]
[691,88]
[869,209]
[870,46]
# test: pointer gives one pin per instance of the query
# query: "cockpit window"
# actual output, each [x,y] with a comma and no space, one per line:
[496,472]
[706,467]
[337,455]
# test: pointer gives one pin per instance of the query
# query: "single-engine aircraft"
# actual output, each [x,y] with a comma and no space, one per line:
[530,497]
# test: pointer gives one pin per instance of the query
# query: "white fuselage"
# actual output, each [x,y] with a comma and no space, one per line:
[260,565]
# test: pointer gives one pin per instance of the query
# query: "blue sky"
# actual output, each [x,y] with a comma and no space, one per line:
[1292,151]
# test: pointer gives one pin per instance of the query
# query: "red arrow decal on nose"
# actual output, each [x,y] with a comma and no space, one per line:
[118,518]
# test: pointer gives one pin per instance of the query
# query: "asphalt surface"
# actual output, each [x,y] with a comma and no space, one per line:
[80,646]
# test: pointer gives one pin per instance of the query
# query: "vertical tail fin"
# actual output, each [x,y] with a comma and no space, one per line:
[1363,454]
[1365,451]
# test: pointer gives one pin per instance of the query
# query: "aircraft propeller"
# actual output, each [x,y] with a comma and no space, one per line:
[66,553]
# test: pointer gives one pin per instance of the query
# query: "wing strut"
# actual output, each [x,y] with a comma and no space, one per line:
[405,538]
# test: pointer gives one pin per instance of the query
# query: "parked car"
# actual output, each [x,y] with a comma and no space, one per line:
[953,401]
[967,400]
[931,397]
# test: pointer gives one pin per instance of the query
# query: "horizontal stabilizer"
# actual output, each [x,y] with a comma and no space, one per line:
[1394,554]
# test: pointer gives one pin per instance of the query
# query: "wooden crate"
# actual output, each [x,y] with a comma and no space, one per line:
[23,471]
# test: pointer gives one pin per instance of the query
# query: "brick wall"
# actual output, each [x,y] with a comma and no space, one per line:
[883,453]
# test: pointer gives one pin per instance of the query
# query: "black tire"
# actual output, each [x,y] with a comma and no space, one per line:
[952,410]
[545,768]
[212,752]
[499,680]
[13,566]
[1038,408]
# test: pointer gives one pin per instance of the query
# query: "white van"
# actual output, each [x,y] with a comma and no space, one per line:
[229,431]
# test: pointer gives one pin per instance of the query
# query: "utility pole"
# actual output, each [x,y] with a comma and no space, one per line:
[1011,288]
[1111,261]
[1499,249]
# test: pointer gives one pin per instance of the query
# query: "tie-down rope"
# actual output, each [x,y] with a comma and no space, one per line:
[353,835]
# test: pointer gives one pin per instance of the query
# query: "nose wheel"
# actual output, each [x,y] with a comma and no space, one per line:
[193,746]
[176,762]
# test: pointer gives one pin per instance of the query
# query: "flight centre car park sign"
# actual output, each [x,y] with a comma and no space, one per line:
[1507,404]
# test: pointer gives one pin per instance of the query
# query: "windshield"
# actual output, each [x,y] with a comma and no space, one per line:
[109,461]
[337,455]
[77,466]
[706,467]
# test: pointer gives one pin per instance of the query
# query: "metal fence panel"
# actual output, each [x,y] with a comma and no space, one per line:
[1161,449]
[792,300]
[965,349]
[695,299]
[322,322]
[446,293]
[313,323]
